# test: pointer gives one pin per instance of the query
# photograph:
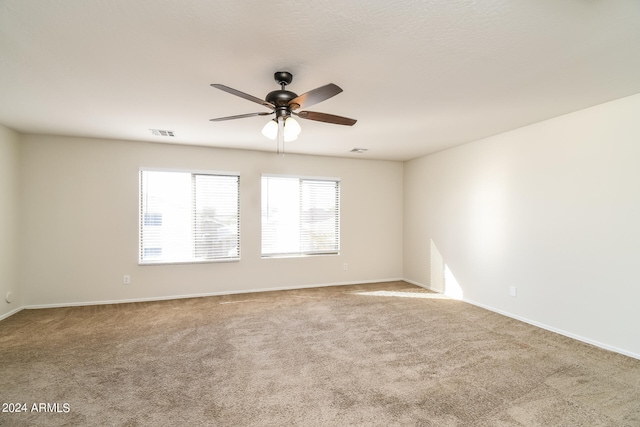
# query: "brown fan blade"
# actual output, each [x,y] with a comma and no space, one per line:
[314,96]
[327,118]
[243,95]
[240,116]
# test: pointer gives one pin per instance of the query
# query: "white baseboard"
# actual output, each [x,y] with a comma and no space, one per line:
[206,294]
[539,325]
[321,285]
[556,330]
[11,313]
[422,285]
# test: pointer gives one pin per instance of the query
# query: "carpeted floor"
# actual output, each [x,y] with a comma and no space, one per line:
[366,355]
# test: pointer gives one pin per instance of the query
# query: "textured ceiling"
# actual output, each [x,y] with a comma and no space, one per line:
[419,76]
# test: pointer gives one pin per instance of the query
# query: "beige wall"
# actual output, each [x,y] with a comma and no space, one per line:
[552,209]
[80,222]
[9,239]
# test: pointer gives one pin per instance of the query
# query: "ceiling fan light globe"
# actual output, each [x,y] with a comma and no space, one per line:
[270,130]
[292,127]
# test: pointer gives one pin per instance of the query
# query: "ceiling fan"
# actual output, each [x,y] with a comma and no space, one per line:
[283,104]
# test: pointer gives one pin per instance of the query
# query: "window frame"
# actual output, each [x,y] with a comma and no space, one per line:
[338,230]
[192,172]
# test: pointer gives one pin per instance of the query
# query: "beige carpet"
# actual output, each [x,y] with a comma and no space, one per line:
[367,355]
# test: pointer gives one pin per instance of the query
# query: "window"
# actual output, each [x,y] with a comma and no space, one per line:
[188,217]
[300,216]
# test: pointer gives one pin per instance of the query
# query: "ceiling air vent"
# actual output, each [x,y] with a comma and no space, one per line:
[359,150]
[161,132]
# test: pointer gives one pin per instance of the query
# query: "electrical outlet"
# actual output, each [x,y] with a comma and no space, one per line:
[126,279]
[345,266]
[513,291]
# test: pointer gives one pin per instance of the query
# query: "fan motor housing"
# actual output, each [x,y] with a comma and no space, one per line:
[280,98]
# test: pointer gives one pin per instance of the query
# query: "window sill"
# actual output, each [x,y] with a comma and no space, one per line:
[278,256]
[211,261]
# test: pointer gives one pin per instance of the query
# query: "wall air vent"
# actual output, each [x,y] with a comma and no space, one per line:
[161,132]
[359,150]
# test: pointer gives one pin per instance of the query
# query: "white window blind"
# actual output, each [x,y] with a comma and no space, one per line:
[300,216]
[188,217]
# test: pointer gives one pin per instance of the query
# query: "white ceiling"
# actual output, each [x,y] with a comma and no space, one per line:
[419,76]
